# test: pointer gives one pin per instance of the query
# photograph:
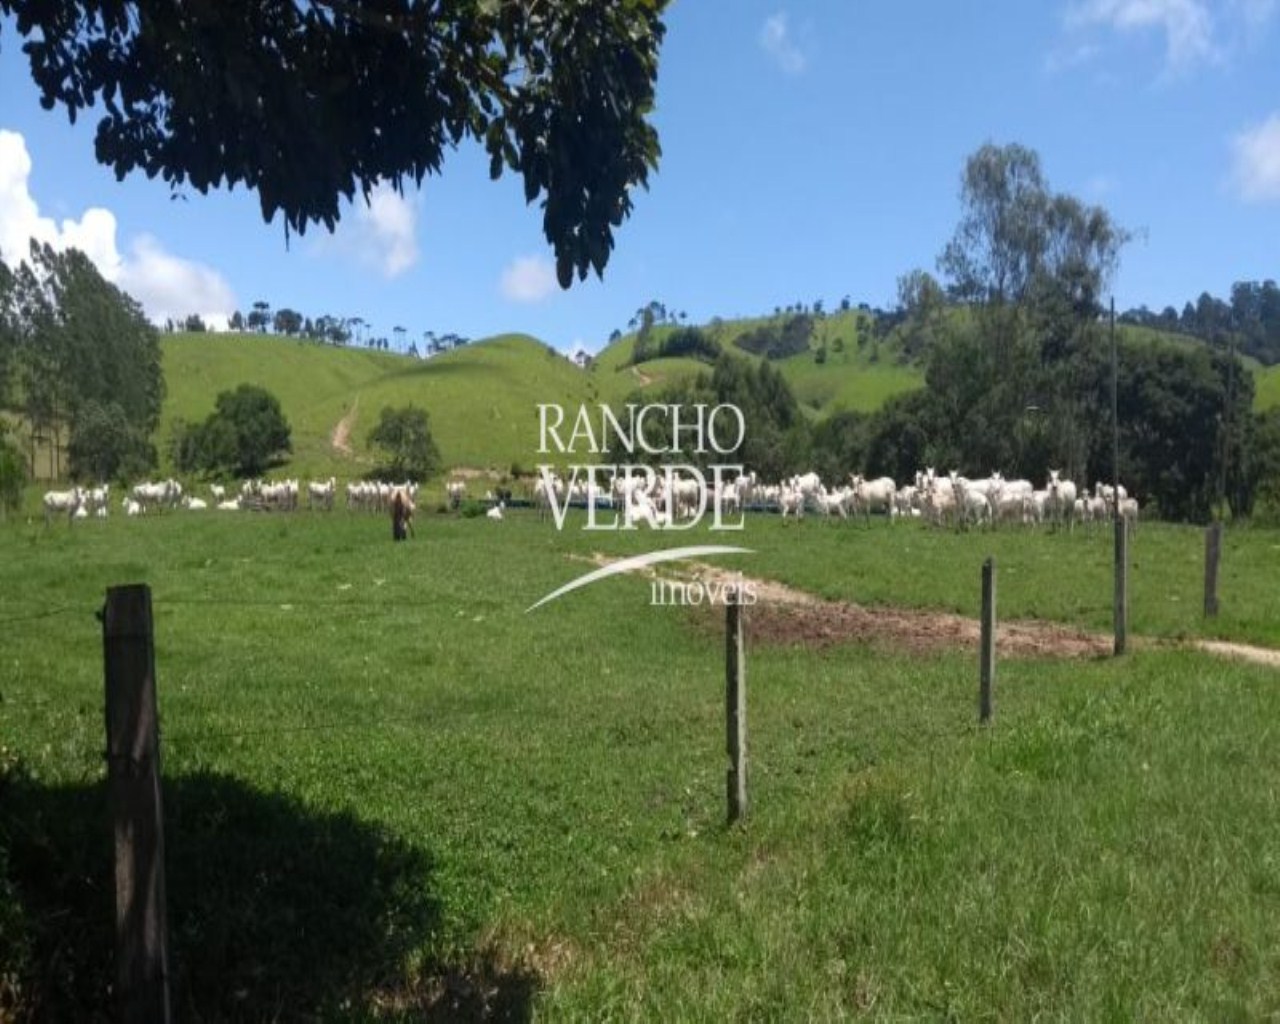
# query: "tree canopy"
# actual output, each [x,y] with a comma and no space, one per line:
[404,435]
[311,101]
[80,356]
[244,434]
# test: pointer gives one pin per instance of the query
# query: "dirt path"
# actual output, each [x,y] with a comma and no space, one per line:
[1245,652]
[641,376]
[787,615]
[341,436]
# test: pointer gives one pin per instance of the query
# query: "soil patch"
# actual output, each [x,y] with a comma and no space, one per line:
[341,436]
[785,615]
[788,616]
[1245,652]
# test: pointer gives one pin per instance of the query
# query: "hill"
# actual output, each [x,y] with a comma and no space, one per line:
[481,397]
[857,372]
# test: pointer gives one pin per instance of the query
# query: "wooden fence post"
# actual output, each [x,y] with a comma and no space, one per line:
[1121,609]
[735,709]
[987,647]
[133,787]
[1212,555]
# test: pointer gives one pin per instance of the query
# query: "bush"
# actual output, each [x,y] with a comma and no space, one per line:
[404,435]
[106,446]
[13,475]
[245,434]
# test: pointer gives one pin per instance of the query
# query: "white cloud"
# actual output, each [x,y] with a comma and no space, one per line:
[1256,14]
[1070,57]
[1256,161]
[776,40]
[167,286]
[1195,31]
[381,234]
[163,284]
[1187,25]
[528,279]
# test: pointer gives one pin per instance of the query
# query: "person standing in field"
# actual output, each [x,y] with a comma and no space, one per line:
[401,515]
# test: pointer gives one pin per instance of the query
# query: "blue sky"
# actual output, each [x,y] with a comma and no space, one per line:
[810,151]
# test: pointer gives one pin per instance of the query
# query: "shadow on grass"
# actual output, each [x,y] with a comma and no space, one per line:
[276,912]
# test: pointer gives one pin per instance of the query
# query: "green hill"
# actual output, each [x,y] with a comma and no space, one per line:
[857,373]
[481,397]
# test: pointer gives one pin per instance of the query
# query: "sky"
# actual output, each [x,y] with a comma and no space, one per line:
[811,150]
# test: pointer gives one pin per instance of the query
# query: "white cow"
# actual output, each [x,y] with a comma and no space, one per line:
[320,493]
[873,495]
[62,503]
[1061,504]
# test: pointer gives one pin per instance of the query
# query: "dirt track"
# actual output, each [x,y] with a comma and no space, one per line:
[786,615]
[341,436]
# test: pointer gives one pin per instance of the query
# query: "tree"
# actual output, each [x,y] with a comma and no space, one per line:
[13,473]
[260,316]
[311,101]
[236,322]
[1014,234]
[244,434]
[404,435]
[78,340]
[287,321]
[195,324]
[106,446]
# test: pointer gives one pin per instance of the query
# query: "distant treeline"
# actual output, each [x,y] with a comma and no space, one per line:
[1250,320]
[324,329]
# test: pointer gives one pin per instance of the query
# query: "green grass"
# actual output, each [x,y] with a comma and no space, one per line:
[1267,381]
[389,790]
[859,377]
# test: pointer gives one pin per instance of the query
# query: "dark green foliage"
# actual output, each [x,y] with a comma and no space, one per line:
[309,103]
[1178,445]
[691,342]
[1263,470]
[839,445]
[106,446]
[13,473]
[777,436]
[404,435]
[779,339]
[245,434]
[79,345]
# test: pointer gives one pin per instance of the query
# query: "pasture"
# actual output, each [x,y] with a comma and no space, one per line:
[391,793]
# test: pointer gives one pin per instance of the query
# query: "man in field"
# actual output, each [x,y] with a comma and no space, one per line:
[401,515]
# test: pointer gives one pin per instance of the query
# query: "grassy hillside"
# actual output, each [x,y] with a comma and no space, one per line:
[481,398]
[854,376]
[1267,380]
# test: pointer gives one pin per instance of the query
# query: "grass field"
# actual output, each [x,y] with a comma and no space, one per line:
[391,793]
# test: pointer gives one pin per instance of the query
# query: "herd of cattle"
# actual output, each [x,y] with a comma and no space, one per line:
[948,499]
[280,496]
[942,500]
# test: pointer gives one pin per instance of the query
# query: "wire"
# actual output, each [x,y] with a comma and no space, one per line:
[47,614]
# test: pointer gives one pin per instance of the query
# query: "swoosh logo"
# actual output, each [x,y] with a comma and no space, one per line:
[640,562]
